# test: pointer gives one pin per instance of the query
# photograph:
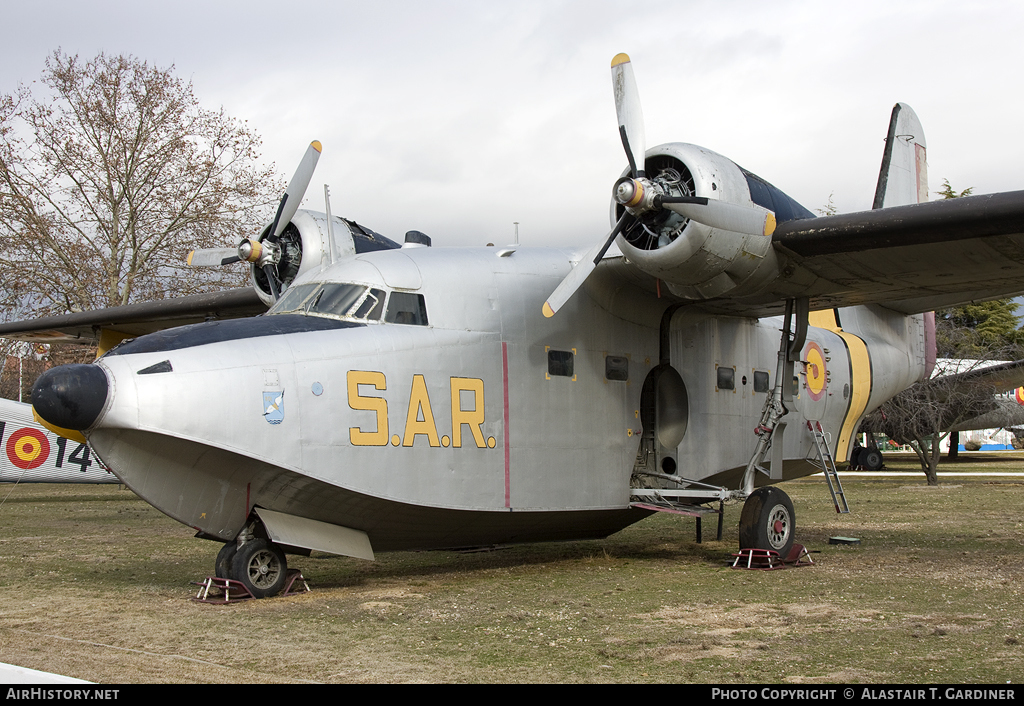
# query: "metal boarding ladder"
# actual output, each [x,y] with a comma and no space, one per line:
[827,464]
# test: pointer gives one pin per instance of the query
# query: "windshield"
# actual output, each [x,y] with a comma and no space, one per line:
[335,299]
[332,299]
[293,299]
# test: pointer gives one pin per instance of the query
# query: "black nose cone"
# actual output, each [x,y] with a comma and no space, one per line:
[70,396]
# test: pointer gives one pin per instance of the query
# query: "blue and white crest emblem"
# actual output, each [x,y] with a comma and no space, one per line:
[273,406]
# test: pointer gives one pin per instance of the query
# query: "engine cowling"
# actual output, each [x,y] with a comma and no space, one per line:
[306,247]
[694,260]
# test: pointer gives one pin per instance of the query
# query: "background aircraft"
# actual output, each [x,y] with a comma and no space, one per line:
[1004,404]
[419,397]
[31,453]
[961,395]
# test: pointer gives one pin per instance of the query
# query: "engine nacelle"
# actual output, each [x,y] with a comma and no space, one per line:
[306,246]
[694,260]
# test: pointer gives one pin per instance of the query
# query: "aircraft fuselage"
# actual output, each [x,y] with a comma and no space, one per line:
[472,420]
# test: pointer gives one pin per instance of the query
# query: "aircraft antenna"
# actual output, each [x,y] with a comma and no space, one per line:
[330,224]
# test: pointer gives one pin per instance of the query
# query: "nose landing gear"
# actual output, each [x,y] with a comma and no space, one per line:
[258,564]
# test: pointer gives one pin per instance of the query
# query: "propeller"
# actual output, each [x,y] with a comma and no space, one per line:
[212,257]
[639,195]
[631,129]
[629,113]
[739,218]
[751,220]
[578,274]
[265,254]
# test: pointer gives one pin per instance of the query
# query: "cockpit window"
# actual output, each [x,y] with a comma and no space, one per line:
[406,308]
[352,301]
[372,306]
[293,299]
[335,299]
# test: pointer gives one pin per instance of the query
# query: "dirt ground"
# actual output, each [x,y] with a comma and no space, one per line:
[96,586]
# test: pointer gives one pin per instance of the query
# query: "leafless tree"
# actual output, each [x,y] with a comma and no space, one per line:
[110,172]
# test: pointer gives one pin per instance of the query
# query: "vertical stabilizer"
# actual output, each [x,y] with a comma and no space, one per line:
[903,178]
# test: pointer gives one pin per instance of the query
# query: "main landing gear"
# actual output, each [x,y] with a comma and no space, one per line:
[256,563]
[768,521]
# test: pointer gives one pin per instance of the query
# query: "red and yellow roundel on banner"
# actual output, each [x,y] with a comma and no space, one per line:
[1018,395]
[28,448]
[814,370]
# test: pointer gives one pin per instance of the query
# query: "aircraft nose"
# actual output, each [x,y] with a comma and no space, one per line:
[71,396]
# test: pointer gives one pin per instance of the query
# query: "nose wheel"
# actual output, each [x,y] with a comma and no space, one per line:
[768,521]
[257,564]
[224,557]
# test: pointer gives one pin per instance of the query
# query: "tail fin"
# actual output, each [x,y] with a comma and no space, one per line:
[903,178]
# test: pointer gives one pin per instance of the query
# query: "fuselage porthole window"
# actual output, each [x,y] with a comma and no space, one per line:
[760,381]
[726,378]
[561,363]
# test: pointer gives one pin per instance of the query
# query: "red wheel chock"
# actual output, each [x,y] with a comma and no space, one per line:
[769,559]
[214,589]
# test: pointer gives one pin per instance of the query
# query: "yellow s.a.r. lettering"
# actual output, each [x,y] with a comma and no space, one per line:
[419,406]
[473,417]
[357,436]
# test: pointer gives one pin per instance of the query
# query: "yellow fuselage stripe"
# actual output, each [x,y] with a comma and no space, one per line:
[860,378]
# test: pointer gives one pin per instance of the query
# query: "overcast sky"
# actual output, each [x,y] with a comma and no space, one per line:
[457,118]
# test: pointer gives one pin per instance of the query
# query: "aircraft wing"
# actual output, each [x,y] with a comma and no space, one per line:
[911,259]
[138,319]
[1006,413]
[972,399]
[996,379]
[998,411]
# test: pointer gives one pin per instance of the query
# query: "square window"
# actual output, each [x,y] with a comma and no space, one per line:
[760,381]
[616,367]
[726,378]
[560,363]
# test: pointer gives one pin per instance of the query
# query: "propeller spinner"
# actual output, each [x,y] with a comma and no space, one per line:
[639,195]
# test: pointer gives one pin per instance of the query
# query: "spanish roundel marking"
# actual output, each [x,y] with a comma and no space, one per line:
[814,369]
[28,448]
[1018,395]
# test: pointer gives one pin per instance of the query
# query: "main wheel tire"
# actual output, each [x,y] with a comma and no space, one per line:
[260,566]
[768,521]
[222,567]
[871,459]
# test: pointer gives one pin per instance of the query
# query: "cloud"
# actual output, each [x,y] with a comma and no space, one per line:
[458,118]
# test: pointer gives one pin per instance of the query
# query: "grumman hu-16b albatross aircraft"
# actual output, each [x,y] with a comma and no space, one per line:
[719,339]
